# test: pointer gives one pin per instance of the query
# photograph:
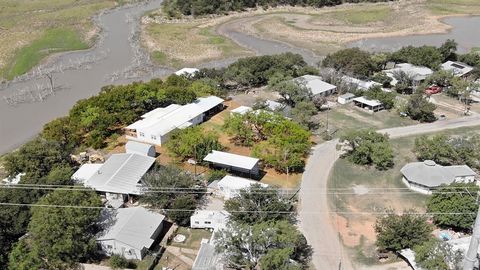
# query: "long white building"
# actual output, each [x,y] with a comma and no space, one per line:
[155,126]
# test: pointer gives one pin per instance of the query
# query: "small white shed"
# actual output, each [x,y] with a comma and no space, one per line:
[133,147]
[345,98]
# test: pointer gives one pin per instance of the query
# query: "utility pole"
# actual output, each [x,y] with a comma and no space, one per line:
[471,256]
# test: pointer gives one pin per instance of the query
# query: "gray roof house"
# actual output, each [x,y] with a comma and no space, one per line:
[316,85]
[121,174]
[233,162]
[129,232]
[144,149]
[459,69]
[426,176]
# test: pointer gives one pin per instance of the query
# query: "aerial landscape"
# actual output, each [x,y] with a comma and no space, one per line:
[239,134]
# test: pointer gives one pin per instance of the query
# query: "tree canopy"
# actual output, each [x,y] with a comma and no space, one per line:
[193,142]
[176,181]
[259,204]
[397,232]
[420,109]
[367,147]
[265,244]
[458,199]
[352,61]
[435,254]
[59,237]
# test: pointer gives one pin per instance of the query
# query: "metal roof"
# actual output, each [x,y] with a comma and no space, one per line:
[237,183]
[430,174]
[458,68]
[369,102]
[163,120]
[85,172]
[233,160]
[241,110]
[121,173]
[359,83]
[133,226]
[417,72]
[138,148]
[315,84]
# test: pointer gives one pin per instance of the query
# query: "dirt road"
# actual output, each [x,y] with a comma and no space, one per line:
[314,213]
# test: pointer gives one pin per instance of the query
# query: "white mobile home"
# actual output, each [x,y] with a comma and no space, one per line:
[155,126]
[230,186]
[233,162]
[209,219]
[129,232]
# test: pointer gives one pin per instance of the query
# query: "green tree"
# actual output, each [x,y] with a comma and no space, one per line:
[279,259]
[454,198]
[60,236]
[437,148]
[62,131]
[184,192]
[397,232]
[428,56]
[420,109]
[259,204]
[434,254]
[246,245]
[449,50]
[382,78]
[386,98]
[118,262]
[292,92]
[352,61]
[193,142]
[303,112]
[367,147]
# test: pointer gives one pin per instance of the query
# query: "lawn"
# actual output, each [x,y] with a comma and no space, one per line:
[194,237]
[183,44]
[31,30]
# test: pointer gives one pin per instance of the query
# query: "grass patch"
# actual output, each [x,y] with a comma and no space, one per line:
[52,41]
[180,44]
[146,262]
[449,7]
[361,15]
[194,237]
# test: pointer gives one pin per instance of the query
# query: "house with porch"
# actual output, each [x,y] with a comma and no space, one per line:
[244,165]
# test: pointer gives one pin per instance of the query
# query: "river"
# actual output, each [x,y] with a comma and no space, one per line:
[465,31]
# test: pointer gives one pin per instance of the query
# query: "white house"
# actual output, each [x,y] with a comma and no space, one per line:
[241,110]
[120,176]
[155,126]
[360,84]
[417,73]
[459,69]
[426,176]
[209,219]
[230,186]
[316,85]
[345,98]
[188,72]
[139,148]
[371,105]
[129,232]
[233,162]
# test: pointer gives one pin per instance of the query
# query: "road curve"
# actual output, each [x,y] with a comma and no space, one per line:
[315,220]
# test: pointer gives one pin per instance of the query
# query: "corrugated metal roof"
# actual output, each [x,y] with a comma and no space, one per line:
[85,172]
[138,148]
[132,226]
[315,84]
[233,160]
[242,110]
[369,102]
[121,174]
[458,68]
[430,174]
[237,183]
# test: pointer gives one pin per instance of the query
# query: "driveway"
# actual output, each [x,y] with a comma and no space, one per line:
[315,220]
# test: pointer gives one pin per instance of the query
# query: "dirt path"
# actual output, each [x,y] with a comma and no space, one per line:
[315,219]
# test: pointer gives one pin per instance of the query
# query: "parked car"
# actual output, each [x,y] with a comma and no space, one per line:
[434,89]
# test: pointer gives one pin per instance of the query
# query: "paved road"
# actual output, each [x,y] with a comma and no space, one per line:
[315,221]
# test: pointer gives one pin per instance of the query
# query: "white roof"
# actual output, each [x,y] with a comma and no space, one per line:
[230,159]
[133,226]
[417,72]
[138,148]
[369,102]
[121,173]
[359,83]
[273,105]
[163,120]
[242,110]
[237,183]
[430,174]
[186,71]
[85,172]
[211,214]
[13,180]
[458,68]
[315,84]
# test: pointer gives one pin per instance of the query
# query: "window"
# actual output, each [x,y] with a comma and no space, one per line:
[196,222]
[142,134]
[208,222]
[154,137]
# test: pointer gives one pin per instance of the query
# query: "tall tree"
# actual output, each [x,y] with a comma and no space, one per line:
[419,108]
[435,254]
